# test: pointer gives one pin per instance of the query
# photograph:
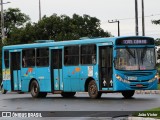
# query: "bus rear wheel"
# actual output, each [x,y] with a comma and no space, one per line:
[35,90]
[128,94]
[93,90]
[68,94]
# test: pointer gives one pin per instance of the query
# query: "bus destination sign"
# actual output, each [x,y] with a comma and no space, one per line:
[134,42]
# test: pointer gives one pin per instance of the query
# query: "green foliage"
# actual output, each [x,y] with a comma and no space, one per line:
[157,42]
[156,22]
[0,62]
[58,28]
[13,19]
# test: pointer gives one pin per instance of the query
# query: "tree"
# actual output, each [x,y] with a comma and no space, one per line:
[0,63]
[156,22]
[14,19]
[58,28]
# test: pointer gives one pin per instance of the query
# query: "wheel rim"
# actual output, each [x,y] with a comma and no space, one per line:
[35,89]
[93,89]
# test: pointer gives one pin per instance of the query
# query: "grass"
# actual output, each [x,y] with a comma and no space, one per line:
[154,109]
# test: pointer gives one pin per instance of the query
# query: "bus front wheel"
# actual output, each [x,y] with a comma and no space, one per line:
[128,94]
[93,90]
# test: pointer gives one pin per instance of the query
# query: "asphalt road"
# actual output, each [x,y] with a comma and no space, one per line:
[109,105]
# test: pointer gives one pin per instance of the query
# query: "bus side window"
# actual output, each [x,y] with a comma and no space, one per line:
[88,54]
[71,55]
[42,58]
[28,58]
[24,63]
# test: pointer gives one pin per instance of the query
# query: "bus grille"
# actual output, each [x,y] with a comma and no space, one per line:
[138,81]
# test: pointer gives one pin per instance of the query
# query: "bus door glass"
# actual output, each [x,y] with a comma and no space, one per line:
[56,69]
[15,66]
[105,67]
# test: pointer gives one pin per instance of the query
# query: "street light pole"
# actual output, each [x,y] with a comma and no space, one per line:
[114,21]
[136,18]
[39,10]
[143,24]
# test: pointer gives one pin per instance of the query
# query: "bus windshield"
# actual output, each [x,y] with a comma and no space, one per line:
[135,59]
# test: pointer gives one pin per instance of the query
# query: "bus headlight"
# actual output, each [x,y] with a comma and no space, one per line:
[119,77]
[122,80]
[153,79]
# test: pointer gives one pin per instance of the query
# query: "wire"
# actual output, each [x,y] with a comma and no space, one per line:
[140,17]
[134,18]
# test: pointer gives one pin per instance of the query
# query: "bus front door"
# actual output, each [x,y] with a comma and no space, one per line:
[105,67]
[15,68]
[56,69]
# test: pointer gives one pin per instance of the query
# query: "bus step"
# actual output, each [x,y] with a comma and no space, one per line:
[56,92]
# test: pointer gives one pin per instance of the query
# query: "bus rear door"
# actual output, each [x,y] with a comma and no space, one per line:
[105,66]
[56,69]
[15,68]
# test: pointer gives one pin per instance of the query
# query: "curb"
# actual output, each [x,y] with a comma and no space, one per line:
[141,118]
[147,91]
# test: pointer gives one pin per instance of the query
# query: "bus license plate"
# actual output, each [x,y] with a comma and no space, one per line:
[139,85]
[132,78]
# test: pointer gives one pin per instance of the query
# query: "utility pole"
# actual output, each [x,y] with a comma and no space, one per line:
[2,23]
[143,24]
[136,18]
[39,10]
[114,21]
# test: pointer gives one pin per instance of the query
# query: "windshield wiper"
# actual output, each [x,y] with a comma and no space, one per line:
[143,54]
[130,52]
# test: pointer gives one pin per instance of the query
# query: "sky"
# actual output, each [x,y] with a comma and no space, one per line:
[104,10]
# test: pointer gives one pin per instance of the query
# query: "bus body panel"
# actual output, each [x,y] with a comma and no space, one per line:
[43,78]
[88,71]
[73,78]
[142,82]
[27,74]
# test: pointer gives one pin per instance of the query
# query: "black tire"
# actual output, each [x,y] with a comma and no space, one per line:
[19,92]
[68,94]
[128,94]
[3,91]
[43,94]
[35,90]
[93,90]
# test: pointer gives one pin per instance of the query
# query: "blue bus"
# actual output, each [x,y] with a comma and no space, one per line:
[96,66]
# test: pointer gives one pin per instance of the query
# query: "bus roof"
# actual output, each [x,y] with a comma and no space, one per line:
[69,42]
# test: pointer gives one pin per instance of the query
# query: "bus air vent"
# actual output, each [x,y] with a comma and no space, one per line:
[43,41]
